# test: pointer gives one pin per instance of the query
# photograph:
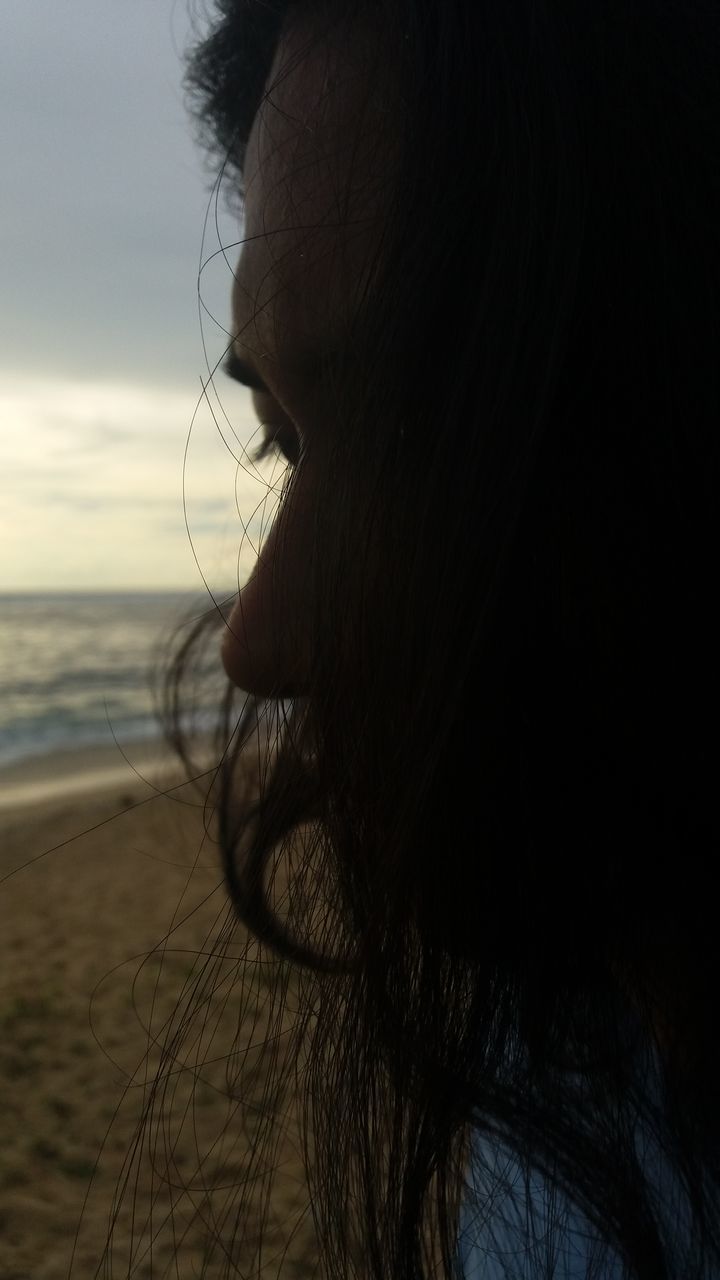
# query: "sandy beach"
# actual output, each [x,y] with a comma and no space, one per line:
[112,900]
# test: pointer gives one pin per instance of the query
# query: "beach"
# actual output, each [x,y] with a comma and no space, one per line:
[112,902]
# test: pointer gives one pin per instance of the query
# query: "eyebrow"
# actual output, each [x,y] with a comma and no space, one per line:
[236,368]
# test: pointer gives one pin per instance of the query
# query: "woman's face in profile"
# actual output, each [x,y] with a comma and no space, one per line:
[313,206]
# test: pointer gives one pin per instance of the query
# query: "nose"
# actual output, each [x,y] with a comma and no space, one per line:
[267,642]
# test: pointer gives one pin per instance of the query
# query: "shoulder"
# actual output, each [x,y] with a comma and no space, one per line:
[516,1225]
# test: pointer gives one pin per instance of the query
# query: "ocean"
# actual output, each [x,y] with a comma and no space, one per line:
[74,668]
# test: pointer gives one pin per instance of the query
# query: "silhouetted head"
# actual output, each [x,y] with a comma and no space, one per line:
[478,300]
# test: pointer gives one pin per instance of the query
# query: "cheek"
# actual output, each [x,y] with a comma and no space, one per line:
[266,643]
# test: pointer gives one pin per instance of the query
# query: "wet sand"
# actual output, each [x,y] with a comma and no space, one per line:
[111,902]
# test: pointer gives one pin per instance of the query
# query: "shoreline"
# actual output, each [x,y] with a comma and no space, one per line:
[115,911]
[87,771]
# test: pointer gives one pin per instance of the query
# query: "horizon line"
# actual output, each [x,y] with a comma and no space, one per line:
[114,590]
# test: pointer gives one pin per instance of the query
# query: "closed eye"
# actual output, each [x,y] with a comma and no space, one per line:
[242,372]
[279,440]
[280,436]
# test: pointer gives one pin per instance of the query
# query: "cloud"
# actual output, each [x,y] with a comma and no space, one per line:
[92,474]
[104,191]
[101,364]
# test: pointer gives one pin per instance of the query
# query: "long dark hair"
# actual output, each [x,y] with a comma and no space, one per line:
[495,805]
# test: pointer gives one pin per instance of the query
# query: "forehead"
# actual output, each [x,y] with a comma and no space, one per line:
[315,189]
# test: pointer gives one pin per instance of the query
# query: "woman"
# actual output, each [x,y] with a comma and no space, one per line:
[478,300]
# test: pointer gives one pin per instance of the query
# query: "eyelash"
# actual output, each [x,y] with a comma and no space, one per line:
[279,442]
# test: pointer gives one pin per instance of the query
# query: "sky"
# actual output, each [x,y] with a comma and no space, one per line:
[105,192]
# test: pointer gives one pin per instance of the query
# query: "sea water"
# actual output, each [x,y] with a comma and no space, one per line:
[76,669]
